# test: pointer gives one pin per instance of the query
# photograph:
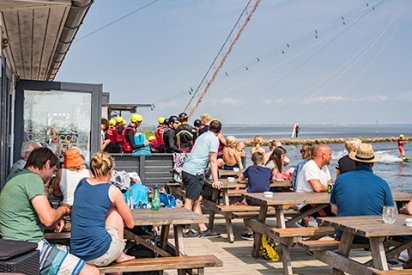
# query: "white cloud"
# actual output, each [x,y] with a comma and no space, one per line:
[374,98]
[273,102]
[324,99]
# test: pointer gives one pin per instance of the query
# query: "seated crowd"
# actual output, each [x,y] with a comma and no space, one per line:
[97,221]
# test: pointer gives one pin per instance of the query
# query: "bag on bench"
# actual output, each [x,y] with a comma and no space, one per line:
[268,249]
[140,251]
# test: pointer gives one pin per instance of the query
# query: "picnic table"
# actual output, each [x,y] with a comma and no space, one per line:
[371,227]
[232,189]
[165,217]
[229,173]
[282,201]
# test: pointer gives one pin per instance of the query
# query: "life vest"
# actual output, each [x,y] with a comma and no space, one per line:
[111,134]
[118,137]
[159,134]
[127,146]
[185,135]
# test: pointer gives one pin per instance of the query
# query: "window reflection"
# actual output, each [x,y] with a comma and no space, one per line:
[58,119]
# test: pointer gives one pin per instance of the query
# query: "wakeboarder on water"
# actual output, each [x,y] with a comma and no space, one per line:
[401,143]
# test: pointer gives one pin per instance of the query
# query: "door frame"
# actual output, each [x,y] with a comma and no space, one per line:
[94,89]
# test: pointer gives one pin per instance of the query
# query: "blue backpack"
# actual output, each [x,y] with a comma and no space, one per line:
[139,139]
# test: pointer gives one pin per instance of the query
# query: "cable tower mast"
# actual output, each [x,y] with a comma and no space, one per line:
[226,48]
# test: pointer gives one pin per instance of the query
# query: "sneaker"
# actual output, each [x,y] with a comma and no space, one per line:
[208,234]
[191,234]
[247,236]
[393,261]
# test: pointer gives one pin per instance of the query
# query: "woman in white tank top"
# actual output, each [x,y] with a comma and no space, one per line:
[68,177]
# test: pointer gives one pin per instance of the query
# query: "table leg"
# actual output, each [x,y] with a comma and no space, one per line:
[229,230]
[344,248]
[378,253]
[212,213]
[164,236]
[178,233]
[225,194]
[258,236]
[280,217]
[286,260]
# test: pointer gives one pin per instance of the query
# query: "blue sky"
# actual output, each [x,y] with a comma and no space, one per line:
[357,71]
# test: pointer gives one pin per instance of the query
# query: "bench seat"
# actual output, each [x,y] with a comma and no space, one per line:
[393,272]
[164,263]
[303,231]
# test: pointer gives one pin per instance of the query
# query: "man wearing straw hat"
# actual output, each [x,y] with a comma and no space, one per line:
[360,192]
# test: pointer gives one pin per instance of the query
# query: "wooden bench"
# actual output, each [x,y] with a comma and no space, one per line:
[392,272]
[291,235]
[188,263]
[237,211]
[320,245]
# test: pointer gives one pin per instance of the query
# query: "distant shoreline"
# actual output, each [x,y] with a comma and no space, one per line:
[298,141]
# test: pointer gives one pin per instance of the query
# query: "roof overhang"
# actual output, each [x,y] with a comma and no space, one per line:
[38,33]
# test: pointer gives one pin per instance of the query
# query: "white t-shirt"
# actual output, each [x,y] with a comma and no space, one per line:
[69,181]
[311,171]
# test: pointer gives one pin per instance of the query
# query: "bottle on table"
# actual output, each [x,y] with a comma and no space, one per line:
[131,200]
[156,199]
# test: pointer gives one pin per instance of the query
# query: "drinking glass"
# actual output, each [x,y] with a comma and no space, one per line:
[389,214]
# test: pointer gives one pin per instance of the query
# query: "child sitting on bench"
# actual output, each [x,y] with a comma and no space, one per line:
[259,178]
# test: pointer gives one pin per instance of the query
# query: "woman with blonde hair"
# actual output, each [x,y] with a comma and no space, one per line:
[256,143]
[306,152]
[231,157]
[99,215]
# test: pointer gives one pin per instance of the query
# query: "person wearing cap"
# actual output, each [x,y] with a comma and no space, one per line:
[159,131]
[185,134]
[169,135]
[129,144]
[360,192]
[68,177]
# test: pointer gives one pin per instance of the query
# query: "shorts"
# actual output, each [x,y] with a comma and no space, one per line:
[325,212]
[56,259]
[193,185]
[230,167]
[115,250]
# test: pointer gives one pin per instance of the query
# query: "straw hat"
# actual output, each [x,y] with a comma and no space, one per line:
[365,154]
[73,158]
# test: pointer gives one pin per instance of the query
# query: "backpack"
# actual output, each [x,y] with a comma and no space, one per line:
[139,139]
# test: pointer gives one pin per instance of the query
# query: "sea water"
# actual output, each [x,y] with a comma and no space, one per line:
[391,167]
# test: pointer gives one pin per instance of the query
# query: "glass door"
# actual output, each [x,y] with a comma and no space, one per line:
[59,115]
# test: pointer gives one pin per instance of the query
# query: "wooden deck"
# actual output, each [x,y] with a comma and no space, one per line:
[237,258]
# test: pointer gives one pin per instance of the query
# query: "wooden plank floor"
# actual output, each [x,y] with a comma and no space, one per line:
[237,258]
